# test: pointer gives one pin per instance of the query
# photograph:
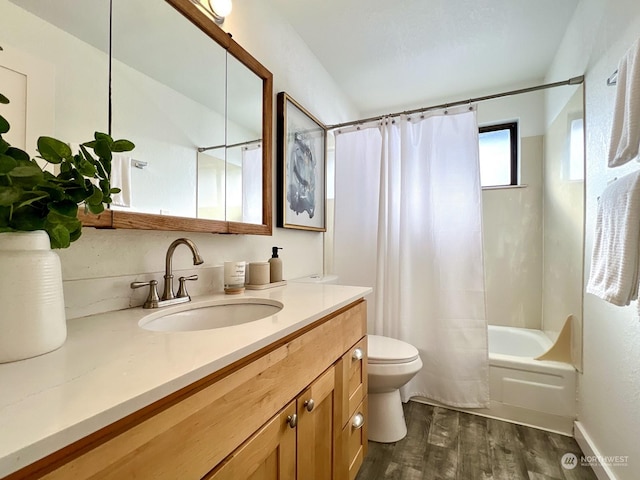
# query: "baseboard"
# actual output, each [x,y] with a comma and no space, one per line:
[602,471]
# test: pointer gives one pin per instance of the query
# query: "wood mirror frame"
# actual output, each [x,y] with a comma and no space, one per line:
[144,221]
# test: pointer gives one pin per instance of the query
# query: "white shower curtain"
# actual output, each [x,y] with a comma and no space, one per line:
[357,182]
[409,190]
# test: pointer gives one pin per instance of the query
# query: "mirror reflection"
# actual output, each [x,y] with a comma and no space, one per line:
[168,94]
[242,157]
[195,113]
[54,69]
[244,103]
[244,144]
[193,110]
[211,184]
[230,183]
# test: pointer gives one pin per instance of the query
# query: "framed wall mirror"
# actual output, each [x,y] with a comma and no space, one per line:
[200,113]
[195,103]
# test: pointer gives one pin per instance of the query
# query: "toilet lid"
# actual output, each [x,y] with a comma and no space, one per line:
[389,350]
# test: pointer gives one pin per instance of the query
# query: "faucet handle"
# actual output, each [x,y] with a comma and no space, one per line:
[182,291]
[152,298]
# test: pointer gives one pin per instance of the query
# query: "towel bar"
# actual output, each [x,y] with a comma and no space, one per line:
[138,163]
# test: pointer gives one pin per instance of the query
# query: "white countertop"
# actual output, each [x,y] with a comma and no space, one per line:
[109,367]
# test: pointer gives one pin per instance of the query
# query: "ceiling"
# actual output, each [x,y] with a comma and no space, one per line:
[388,56]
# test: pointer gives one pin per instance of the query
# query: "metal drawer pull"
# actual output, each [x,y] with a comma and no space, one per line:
[358,421]
[309,404]
[357,354]
[292,420]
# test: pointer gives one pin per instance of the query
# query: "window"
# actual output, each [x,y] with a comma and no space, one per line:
[499,155]
[574,168]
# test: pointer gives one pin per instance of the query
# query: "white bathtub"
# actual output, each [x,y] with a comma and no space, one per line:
[532,392]
[517,342]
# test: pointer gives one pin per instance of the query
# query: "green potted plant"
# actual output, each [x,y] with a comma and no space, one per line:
[34,199]
[39,211]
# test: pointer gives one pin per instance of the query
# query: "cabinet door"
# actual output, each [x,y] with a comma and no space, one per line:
[317,429]
[270,454]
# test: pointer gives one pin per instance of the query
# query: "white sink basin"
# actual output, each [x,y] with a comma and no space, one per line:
[210,315]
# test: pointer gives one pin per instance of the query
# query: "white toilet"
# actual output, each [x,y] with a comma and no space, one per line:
[391,364]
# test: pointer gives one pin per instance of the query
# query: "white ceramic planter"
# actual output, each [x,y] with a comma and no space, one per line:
[32,318]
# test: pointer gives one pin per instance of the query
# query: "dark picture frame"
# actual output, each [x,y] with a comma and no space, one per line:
[302,167]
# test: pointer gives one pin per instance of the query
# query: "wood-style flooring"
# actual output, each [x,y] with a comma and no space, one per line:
[444,444]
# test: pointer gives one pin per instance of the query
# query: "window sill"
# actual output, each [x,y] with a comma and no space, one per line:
[504,187]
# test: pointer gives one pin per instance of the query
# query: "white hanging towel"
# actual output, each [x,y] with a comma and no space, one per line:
[615,257]
[121,178]
[625,130]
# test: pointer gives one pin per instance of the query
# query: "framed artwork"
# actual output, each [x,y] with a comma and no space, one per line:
[301,152]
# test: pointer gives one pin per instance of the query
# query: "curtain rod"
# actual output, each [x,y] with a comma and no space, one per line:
[241,144]
[571,81]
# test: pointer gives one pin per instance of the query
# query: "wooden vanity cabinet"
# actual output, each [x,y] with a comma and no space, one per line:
[298,443]
[250,420]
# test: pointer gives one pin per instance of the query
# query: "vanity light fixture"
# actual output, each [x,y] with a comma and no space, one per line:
[220,9]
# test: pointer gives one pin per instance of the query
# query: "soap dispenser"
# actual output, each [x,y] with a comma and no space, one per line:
[275,266]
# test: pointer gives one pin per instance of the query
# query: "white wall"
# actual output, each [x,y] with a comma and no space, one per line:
[527,108]
[259,28]
[512,219]
[79,111]
[167,127]
[609,388]
[512,234]
[98,268]
[563,207]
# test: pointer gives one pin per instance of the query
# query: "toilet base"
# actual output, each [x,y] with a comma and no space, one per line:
[386,417]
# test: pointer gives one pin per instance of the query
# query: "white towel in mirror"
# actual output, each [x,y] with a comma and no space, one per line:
[625,130]
[121,178]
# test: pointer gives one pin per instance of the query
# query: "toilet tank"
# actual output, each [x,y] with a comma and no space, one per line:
[317,278]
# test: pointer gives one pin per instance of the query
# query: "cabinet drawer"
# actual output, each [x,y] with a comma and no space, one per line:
[354,441]
[353,378]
